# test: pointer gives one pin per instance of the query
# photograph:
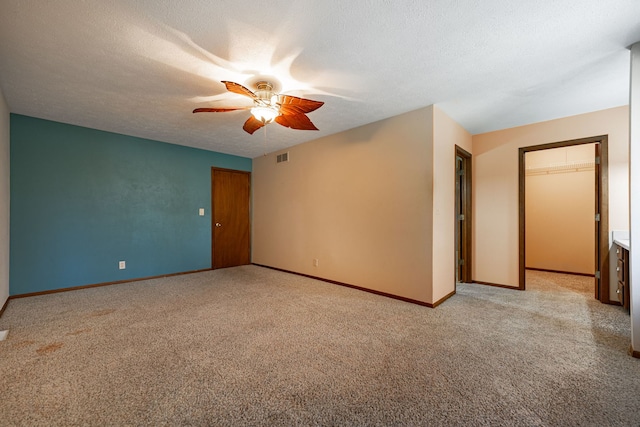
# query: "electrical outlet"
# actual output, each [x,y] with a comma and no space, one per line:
[201,211]
[315,262]
[122,265]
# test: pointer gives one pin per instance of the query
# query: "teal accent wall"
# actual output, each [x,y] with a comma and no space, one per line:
[84,199]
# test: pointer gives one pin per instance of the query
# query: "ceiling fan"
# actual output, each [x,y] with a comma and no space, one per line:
[268,106]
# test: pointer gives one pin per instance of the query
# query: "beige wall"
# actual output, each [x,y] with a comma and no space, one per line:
[360,202]
[375,205]
[560,209]
[447,134]
[4,201]
[495,176]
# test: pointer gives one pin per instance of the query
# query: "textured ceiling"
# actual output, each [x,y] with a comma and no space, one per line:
[139,67]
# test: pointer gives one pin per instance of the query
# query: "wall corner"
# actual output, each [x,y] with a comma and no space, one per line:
[5,165]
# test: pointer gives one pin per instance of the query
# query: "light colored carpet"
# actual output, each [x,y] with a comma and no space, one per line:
[253,346]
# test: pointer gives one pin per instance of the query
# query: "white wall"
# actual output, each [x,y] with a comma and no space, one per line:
[4,201]
[634,195]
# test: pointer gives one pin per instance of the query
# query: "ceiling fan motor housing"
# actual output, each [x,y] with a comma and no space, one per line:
[267,108]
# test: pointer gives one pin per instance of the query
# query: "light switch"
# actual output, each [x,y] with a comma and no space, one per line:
[201,211]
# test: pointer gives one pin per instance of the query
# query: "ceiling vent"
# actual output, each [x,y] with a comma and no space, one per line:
[284,157]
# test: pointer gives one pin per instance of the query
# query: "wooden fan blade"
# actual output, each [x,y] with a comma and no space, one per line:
[252,124]
[296,121]
[239,89]
[220,110]
[294,105]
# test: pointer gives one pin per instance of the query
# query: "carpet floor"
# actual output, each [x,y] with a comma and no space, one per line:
[253,346]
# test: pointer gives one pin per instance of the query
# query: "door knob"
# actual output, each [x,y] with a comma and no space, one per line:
[218,224]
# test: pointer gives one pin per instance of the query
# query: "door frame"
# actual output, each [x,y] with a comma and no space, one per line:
[602,207]
[213,219]
[465,276]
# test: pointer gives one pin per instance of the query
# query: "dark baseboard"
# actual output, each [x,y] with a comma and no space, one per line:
[497,285]
[633,352]
[97,285]
[4,307]
[560,272]
[360,288]
[443,299]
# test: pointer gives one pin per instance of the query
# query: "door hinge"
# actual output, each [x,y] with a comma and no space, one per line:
[461,172]
[460,262]
[461,217]
[597,274]
[597,160]
[597,217]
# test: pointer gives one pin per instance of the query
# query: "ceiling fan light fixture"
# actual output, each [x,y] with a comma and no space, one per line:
[265,114]
[266,109]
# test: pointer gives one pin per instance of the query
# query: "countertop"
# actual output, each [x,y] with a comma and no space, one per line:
[622,242]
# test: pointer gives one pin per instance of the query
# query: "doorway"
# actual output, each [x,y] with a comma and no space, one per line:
[230,220]
[600,219]
[463,216]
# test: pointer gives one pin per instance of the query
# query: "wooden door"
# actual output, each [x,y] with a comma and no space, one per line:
[230,229]
[598,286]
[463,216]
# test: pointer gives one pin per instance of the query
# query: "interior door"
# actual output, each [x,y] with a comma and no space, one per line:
[463,216]
[459,220]
[230,240]
[598,273]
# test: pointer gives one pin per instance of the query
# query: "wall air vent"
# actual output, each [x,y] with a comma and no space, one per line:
[284,157]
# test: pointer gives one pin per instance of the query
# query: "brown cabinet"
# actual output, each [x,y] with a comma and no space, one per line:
[622,269]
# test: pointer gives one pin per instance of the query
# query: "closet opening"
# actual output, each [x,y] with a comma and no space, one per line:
[563,210]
